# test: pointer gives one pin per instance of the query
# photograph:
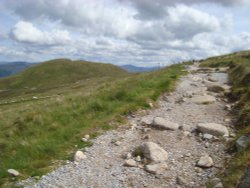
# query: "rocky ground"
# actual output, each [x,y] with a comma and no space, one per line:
[179,143]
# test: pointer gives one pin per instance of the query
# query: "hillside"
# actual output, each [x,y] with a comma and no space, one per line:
[132,68]
[9,68]
[60,71]
[55,75]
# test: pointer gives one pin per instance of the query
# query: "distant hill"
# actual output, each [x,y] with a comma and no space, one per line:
[10,68]
[132,68]
[59,72]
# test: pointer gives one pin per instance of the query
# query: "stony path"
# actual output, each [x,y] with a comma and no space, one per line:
[188,106]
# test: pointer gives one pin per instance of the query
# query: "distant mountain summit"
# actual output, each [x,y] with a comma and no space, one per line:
[10,68]
[132,68]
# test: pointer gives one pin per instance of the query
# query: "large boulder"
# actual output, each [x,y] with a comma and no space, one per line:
[213,129]
[152,152]
[203,99]
[164,124]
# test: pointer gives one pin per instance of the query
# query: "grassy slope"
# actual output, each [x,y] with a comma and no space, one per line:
[36,133]
[56,74]
[239,74]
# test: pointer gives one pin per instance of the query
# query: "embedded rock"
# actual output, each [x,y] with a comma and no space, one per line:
[213,129]
[205,161]
[79,155]
[157,168]
[204,99]
[153,152]
[164,124]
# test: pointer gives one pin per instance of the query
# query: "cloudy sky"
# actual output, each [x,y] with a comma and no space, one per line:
[138,32]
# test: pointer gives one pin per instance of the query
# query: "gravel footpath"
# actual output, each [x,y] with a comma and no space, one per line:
[104,165]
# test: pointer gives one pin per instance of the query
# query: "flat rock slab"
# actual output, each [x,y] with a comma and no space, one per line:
[213,129]
[157,168]
[164,124]
[153,152]
[203,99]
[13,172]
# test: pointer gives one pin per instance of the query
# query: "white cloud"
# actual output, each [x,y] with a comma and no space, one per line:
[27,33]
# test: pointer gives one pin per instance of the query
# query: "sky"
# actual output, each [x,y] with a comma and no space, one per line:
[136,32]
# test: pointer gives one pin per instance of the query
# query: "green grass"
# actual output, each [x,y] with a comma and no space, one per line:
[35,134]
[239,75]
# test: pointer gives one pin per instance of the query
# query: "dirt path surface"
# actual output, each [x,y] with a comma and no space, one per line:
[187,107]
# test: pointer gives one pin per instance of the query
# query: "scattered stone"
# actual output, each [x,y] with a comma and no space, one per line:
[243,142]
[146,120]
[130,163]
[207,145]
[213,129]
[216,88]
[79,155]
[204,99]
[146,137]
[86,136]
[151,105]
[181,181]
[227,120]
[138,158]
[198,170]
[153,152]
[205,161]
[117,143]
[187,133]
[212,79]
[228,107]
[157,168]
[188,128]
[164,124]
[207,136]
[128,156]
[13,172]
[216,183]
[84,139]
[145,130]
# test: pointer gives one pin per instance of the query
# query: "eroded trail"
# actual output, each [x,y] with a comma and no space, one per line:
[186,108]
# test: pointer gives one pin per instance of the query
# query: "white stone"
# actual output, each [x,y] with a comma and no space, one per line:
[205,161]
[138,158]
[117,143]
[13,172]
[213,129]
[86,136]
[79,155]
[207,136]
[156,168]
[153,152]
[203,99]
[129,156]
[84,139]
[130,163]
[164,124]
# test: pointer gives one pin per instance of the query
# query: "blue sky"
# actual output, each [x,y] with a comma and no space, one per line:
[137,32]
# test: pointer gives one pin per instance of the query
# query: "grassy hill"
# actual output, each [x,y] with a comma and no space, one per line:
[56,74]
[35,135]
[239,75]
